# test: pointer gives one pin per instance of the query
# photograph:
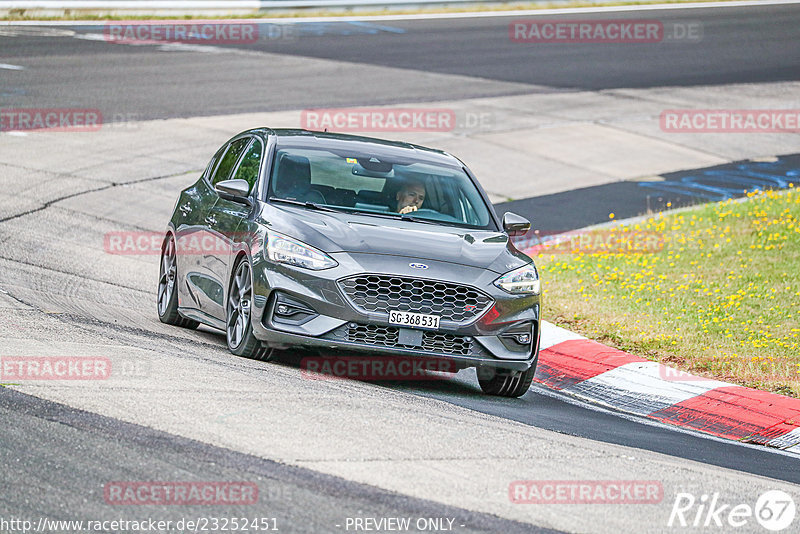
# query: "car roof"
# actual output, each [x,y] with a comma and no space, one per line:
[337,142]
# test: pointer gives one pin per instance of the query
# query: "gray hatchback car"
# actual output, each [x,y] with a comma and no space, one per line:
[292,238]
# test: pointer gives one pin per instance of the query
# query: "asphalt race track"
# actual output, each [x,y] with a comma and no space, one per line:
[739,45]
[320,451]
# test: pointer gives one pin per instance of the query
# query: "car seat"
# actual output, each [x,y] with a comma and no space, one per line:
[293,180]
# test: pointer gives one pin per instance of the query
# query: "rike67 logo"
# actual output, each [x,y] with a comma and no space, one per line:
[774,510]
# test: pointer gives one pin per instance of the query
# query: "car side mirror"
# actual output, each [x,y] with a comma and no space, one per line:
[515,225]
[235,190]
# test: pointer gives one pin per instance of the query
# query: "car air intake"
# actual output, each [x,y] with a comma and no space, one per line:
[375,293]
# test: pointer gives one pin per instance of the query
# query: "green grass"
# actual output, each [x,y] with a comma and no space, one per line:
[720,296]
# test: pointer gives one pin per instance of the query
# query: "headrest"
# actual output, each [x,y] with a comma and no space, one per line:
[294,175]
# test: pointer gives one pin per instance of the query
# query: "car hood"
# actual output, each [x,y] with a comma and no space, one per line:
[344,232]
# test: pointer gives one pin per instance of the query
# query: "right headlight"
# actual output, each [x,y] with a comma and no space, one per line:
[284,249]
[524,280]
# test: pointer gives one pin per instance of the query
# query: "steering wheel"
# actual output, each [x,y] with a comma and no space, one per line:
[315,196]
[433,215]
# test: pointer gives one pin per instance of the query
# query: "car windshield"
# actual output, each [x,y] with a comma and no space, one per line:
[377,186]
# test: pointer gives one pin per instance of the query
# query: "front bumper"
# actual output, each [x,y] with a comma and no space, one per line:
[327,318]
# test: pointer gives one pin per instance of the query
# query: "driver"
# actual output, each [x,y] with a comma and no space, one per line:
[410,197]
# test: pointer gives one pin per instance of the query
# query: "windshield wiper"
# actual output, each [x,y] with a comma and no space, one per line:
[346,209]
[411,218]
[311,205]
[357,211]
[389,214]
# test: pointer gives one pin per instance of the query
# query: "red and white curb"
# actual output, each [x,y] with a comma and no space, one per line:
[591,371]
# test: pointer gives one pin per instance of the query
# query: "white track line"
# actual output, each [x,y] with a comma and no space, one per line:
[789,441]
[595,407]
[553,335]
[640,388]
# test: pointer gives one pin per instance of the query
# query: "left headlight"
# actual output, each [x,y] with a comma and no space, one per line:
[519,281]
[284,249]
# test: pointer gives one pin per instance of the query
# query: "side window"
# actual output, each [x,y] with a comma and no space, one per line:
[213,163]
[229,160]
[251,164]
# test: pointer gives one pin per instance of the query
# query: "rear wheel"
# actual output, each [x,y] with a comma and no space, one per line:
[505,382]
[238,324]
[167,287]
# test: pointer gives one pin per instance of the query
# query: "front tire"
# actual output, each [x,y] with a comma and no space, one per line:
[167,300]
[505,382]
[238,322]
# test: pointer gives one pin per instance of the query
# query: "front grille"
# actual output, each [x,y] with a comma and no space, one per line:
[381,293]
[388,336]
[385,336]
[447,343]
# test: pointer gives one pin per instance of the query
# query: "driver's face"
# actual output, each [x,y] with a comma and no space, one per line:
[413,195]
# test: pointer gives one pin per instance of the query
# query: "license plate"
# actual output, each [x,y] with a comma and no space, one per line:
[414,320]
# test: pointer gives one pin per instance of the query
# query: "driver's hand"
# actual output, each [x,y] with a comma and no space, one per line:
[408,209]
